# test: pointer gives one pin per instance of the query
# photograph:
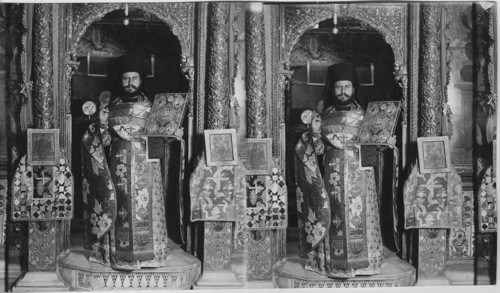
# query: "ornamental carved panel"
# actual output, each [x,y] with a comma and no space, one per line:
[179,16]
[389,19]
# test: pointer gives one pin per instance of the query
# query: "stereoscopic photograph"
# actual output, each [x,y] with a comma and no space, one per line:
[248,145]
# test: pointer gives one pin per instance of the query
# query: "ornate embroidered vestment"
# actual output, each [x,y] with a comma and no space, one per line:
[338,208]
[125,223]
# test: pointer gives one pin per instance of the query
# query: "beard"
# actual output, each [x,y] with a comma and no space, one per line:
[130,91]
[343,100]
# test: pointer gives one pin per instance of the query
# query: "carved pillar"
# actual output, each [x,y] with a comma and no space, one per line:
[258,256]
[256,78]
[218,236]
[430,97]
[42,88]
[431,242]
[46,239]
[218,60]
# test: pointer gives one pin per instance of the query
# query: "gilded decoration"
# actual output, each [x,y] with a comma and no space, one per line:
[218,240]
[217,88]
[259,256]
[276,109]
[389,19]
[42,89]
[414,11]
[430,97]
[42,246]
[201,36]
[431,253]
[256,81]
[179,16]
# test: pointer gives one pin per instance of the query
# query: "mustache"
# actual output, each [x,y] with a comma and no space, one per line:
[131,87]
[344,96]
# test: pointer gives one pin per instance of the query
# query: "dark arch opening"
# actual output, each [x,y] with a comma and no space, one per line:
[101,44]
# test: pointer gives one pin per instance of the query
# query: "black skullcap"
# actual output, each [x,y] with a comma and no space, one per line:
[130,63]
[342,71]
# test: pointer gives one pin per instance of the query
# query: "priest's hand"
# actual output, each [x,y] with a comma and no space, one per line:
[103,116]
[316,125]
[179,132]
[392,141]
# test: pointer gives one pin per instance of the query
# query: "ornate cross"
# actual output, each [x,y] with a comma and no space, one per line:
[218,180]
[257,188]
[43,178]
[431,186]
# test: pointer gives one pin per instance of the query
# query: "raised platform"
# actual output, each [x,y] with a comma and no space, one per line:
[396,273]
[182,271]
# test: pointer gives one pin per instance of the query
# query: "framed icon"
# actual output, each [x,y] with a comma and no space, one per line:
[220,147]
[256,155]
[43,146]
[316,72]
[434,154]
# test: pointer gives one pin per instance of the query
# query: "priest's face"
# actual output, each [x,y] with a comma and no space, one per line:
[131,81]
[344,92]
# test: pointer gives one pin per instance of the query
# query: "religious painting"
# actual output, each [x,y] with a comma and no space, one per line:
[434,154]
[43,146]
[316,72]
[256,155]
[221,148]
[167,114]
[365,74]
[379,123]
[96,66]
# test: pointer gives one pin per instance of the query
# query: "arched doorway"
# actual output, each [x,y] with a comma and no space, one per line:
[317,48]
[100,44]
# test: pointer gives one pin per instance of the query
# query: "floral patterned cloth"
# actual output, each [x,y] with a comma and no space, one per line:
[125,224]
[338,211]
[488,220]
[433,200]
[217,193]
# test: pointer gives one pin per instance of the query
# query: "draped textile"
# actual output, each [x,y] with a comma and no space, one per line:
[125,224]
[433,200]
[338,208]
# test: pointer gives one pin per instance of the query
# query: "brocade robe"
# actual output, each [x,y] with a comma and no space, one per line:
[125,225]
[339,225]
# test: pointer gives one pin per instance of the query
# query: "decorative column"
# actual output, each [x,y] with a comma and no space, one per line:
[46,239]
[431,242]
[218,244]
[258,254]
[255,75]
[43,67]
[218,60]
[430,97]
